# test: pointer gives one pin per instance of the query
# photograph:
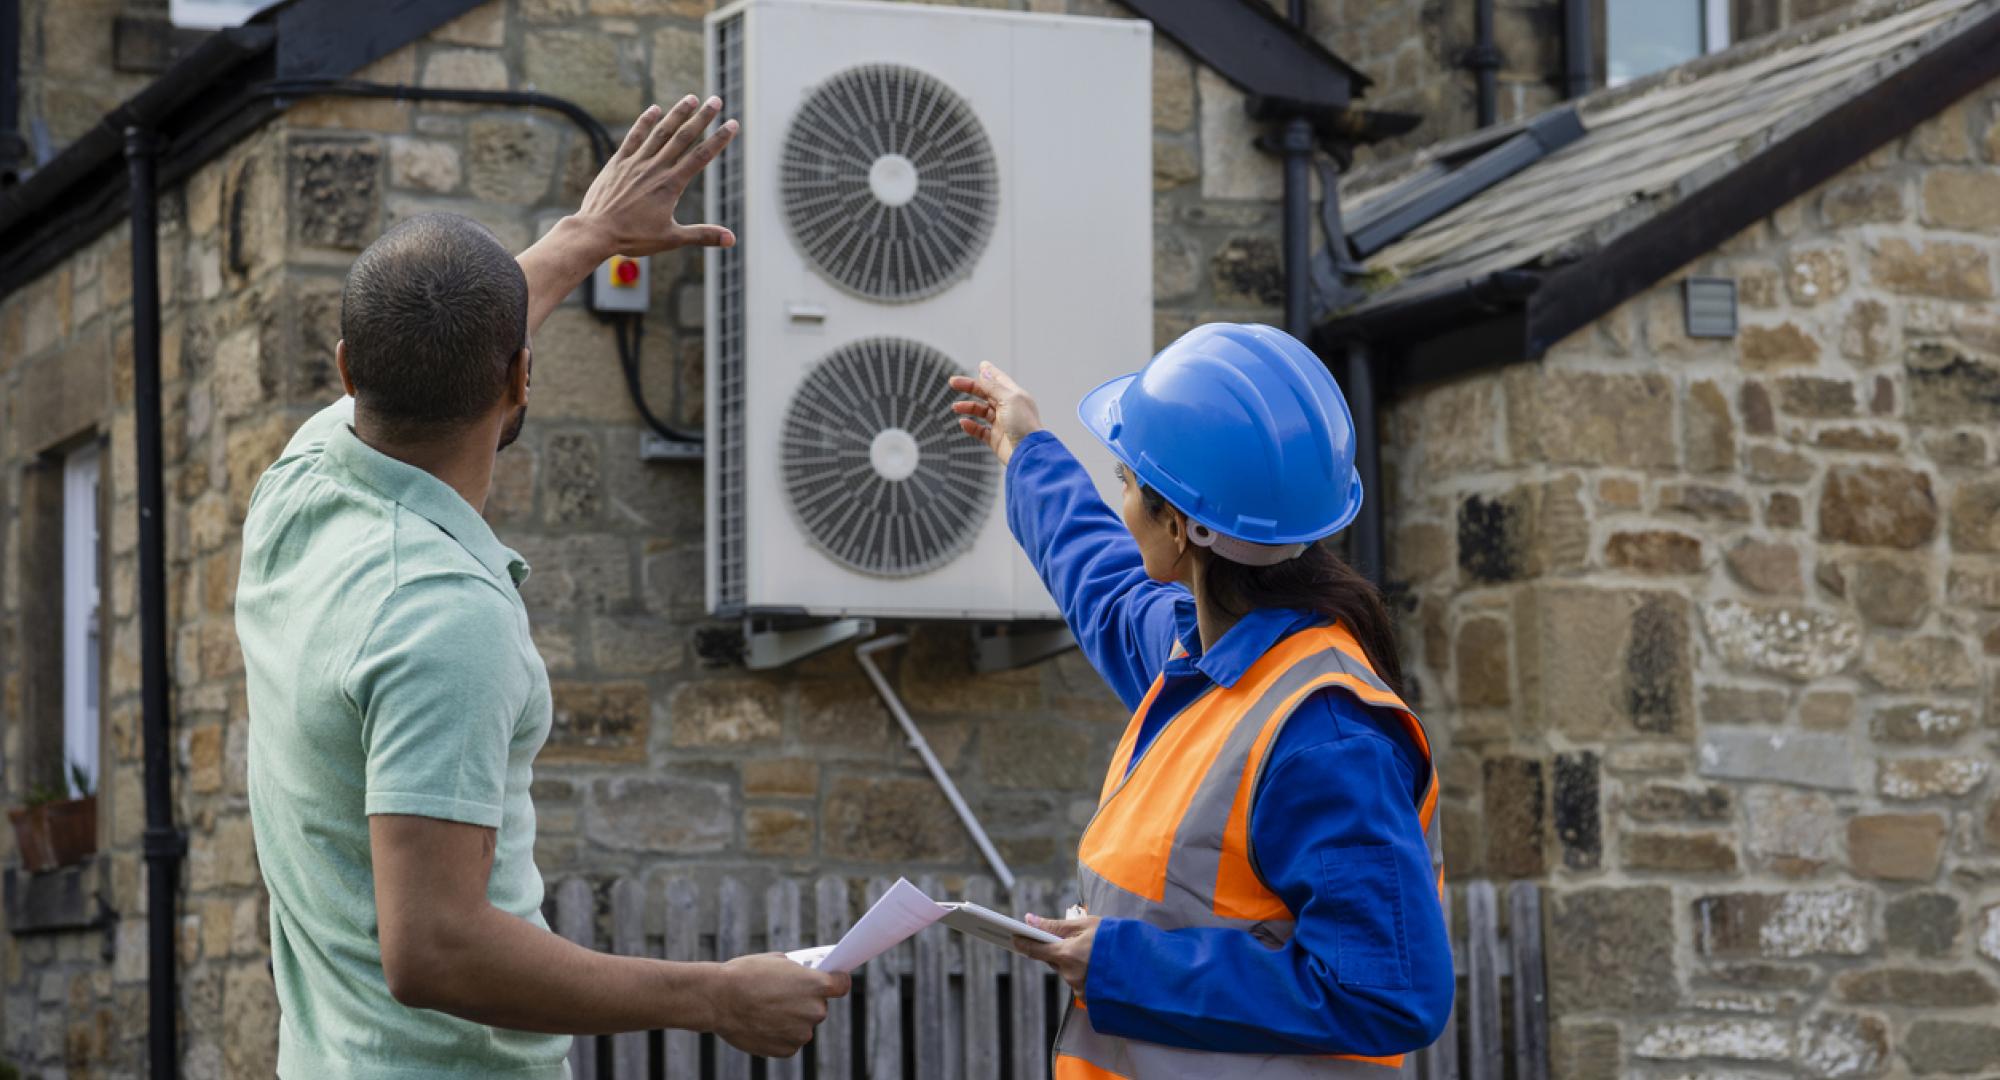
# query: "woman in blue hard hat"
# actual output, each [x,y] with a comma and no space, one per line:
[1261,878]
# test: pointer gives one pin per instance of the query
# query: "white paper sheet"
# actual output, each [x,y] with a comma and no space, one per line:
[894,919]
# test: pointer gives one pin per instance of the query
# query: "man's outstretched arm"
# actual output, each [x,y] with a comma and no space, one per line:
[445,948]
[629,209]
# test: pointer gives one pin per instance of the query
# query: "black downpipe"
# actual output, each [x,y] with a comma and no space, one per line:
[1484,59]
[1296,142]
[1578,44]
[13,148]
[1365,541]
[164,844]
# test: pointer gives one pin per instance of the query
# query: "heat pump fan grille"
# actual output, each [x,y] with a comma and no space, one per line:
[878,473]
[889,182]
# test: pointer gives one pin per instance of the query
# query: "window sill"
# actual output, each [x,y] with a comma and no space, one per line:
[57,901]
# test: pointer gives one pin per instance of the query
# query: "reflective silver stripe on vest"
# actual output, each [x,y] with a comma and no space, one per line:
[1193,866]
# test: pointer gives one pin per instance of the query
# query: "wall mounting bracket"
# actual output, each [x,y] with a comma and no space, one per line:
[767,646]
[1006,646]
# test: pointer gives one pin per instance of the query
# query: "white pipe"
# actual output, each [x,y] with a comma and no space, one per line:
[864,655]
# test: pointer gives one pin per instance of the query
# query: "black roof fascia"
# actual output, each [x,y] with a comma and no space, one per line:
[1396,214]
[1587,289]
[201,106]
[1502,295]
[1253,46]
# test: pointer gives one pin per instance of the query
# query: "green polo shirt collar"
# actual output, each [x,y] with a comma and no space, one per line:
[426,495]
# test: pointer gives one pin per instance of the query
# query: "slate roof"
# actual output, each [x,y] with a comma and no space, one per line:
[1651,145]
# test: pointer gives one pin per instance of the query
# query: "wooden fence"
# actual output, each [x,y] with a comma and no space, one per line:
[941,1007]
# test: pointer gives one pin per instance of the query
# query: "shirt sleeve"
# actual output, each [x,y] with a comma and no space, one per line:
[1368,968]
[1124,621]
[439,695]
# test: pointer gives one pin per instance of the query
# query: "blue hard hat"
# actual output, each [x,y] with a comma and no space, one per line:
[1242,428]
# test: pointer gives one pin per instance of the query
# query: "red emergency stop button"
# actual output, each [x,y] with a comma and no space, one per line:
[624,272]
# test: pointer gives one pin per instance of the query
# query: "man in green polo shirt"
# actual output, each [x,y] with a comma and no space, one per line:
[397,700]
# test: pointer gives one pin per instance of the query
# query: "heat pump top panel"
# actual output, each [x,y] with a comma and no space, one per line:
[916,189]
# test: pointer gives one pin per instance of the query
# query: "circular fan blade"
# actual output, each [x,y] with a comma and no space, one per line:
[878,474]
[889,182]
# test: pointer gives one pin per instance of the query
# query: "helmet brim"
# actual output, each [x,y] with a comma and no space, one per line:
[1099,412]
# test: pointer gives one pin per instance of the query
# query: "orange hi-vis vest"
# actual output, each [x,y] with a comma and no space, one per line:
[1170,844]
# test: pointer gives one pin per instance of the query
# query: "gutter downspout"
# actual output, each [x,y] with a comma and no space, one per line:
[164,844]
[1365,537]
[1484,59]
[13,148]
[1578,44]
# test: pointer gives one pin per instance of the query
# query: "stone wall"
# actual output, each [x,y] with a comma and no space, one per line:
[76,1000]
[665,750]
[1709,629]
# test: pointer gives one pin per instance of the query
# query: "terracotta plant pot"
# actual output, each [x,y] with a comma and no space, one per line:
[31,838]
[73,829]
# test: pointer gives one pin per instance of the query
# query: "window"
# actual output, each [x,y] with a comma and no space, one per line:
[80,646]
[1644,36]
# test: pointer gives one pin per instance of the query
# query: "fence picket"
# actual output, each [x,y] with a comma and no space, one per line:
[1531,999]
[781,934]
[1483,973]
[576,919]
[1028,989]
[982,994]
[885,1004]
[833,1048]
[1440,1060]
[930,993]
[628,938]
[683,929]
[732,939]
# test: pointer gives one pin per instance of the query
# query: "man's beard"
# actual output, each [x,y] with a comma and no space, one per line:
[513,429]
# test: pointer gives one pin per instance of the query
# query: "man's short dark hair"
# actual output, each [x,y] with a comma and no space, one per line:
[433,314]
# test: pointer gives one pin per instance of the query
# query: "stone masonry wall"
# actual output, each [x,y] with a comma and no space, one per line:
[1709,629]
[666,752]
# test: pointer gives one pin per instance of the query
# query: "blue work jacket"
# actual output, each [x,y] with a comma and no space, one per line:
[1340,776]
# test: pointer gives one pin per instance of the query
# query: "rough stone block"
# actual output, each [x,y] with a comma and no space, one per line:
[424,165]
[1785,925]
[1654,551]
[1816,275]
[1248,272]
[1863,200]
[1579,825]
[1889,591]
[1483,664]
[1709,432]
[1932,723]
[1665,802]
[898,821]
[1767,348]
[1966,200]
[590,69]
[1800,758]
[1678,853]
[1924,923]
[1920,663]
[1941,269]
[1741,705]
[1595,661]
[782,777]
[1513,802]
[1950,385]
[1842,1045]
[1877,506]
[1797,830]
[1523,533]
[1793,641]
[510,160]
[724,713]
[1173,86]
[770,830]
[1766,567]
[1918,988]
[1025,753]
[601,722]
[1975,517]
[1705,502]
[1952,1046]
[1896,847]
[1565,417]
[1611,949]
[1734,1040]
[335,191]
[666,816]
[466,69]
[1929,778]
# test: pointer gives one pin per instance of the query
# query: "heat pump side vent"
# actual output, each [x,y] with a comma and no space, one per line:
[730,476]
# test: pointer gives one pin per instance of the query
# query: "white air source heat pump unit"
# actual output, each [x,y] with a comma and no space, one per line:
[914,190]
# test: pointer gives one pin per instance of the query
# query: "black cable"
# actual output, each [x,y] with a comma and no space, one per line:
[628,330]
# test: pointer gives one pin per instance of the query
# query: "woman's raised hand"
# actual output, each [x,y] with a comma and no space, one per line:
[1001,414]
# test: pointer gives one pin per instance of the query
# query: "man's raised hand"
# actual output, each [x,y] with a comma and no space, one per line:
[633,200]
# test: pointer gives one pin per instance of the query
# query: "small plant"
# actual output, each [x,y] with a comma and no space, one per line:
[79,781]
[42,795]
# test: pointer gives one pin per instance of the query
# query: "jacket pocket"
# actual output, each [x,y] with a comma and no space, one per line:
[1361,887]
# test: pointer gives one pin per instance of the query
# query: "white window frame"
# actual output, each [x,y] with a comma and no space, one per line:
[81,645]
[1715,26]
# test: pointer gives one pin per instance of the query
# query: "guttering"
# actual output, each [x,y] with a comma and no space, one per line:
[1429,314]
[164,844]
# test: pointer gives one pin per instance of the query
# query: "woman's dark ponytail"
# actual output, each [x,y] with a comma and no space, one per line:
[1318,580]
